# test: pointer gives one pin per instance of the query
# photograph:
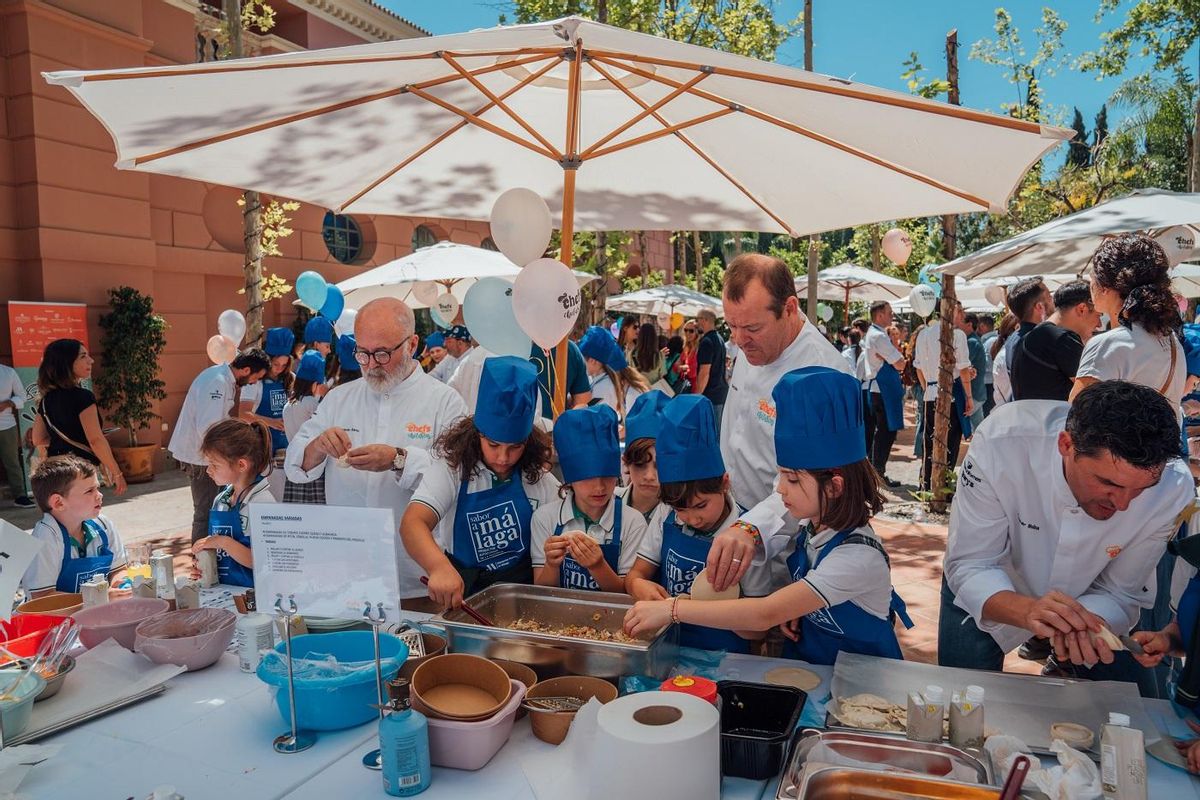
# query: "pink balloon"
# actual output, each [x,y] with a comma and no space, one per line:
[1183,304]
[546,301]
[221,350]
[897,246]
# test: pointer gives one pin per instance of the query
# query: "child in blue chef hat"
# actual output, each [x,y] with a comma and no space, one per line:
[613,380]
[308,388]
[264,401]
[641,429]
[587,539]
[348,368]
[841,595]
[696,505]
[318,335]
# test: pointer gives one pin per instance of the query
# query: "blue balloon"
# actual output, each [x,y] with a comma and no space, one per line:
[311,289]
[488,312]
[334,303]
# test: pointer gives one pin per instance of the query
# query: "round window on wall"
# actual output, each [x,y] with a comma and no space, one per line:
[488,244]
[423,236]
[343,238]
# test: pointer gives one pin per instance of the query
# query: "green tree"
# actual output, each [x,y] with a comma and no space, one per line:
[1080,153]
[1152,145]
[1025,72]
[132,341]
[918,84]
[1100,127]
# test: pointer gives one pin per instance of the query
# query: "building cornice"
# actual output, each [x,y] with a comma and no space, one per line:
[362,18]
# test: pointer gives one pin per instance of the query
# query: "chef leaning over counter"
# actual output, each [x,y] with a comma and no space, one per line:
[1061,514]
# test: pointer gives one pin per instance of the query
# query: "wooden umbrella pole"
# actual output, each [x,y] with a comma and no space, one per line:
[570,164]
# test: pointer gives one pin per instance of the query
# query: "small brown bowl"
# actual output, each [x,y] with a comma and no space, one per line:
[552,726]
[434,646]
[59,604]
[518,672]
[460,686]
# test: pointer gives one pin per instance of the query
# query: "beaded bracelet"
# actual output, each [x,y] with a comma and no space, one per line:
[748,528]
[674,613]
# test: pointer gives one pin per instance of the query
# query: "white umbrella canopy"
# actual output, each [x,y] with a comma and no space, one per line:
[971,293]
[1066,244]
[617,130]
[1185,280]
[849,282]
[456,267]
[664,300]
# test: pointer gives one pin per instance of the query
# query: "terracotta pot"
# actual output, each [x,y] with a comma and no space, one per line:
[136,463]
[552,726]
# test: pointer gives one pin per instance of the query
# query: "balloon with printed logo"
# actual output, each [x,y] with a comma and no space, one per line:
[427,292]
[232,325]
[995,294]
[825,311]
[546,301]
[922,299]
[1178,243]
[488,311]
[897,246]
[312,289]
[345,323]
[446,307]
[334,303]
[521,225]
[676,321]
[929,278]
[221,349]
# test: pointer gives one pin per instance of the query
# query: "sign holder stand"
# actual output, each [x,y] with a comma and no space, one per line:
[374,759]
[297,740]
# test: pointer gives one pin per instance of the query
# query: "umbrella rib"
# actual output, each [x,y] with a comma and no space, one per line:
[498,102]
[649,137]
[317,112]
[528,79]
[683,138]
[642,115]
[474,119]
[841,91]
[810,134]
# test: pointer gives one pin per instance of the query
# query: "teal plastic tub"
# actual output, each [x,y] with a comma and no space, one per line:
[16,713]
[334,677]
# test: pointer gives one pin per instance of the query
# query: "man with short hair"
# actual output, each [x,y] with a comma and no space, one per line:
[987,334]
[970,326]
[370,437]
[863,325]
[1045,361]
[457,343]
[927,358]
[214,395]
[883,364]
[1030,302]
[710,363]
[1062,512]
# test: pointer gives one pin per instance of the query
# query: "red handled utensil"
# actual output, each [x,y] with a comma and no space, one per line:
[471,612]
[1016,779]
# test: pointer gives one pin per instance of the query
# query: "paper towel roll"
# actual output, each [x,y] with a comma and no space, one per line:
[656,744]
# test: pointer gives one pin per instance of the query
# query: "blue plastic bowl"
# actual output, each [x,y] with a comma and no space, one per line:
[334,702]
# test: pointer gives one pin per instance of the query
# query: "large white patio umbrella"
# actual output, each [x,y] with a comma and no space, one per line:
[664,300]
[454,267]
[1185,280]
[1066,244]
[847,282]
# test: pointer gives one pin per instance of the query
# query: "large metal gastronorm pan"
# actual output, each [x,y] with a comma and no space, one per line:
[838,783]
[550,654]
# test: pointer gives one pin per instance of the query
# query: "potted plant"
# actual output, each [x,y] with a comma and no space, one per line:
[133,339]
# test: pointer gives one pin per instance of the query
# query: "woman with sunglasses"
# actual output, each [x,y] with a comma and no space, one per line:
[691,348]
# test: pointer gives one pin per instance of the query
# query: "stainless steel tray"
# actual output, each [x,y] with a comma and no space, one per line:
[840,783]
[549,654]
[933,760]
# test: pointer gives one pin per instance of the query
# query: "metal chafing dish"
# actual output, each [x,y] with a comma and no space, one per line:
[838,783]
[548,654]
[933,760]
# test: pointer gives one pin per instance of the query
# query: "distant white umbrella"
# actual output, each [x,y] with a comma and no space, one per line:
[664,300]
[1185,280]
[972,293]
[847,282]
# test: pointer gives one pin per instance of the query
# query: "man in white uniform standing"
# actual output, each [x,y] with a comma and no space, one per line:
[927,359]
[457,342]
[1061,514]
[882,368]
[370,437]
[465,379]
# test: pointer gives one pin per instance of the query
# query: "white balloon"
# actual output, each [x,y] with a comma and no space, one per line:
[447,307]
[825,311]
[995,294]
[897,246]
[923,300]
[232,325]
[1178,243]
[345,323]
[427,292]
[521,225]
[546,301]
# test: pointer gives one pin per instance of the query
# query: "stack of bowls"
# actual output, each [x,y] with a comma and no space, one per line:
[552,726]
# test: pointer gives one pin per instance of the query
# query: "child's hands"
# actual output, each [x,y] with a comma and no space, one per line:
[1190,749]
[648,616]
[210,543]
[556,550]
[791,629]
[584,549]
[645,589]
[1157,645]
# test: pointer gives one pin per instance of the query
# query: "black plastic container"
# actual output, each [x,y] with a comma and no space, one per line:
[757,720]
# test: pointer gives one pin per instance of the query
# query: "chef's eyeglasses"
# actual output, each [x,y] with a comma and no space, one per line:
[381,356]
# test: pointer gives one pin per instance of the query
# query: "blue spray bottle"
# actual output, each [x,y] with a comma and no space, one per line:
[404,744]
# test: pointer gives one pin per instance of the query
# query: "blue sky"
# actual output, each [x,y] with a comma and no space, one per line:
[868,40]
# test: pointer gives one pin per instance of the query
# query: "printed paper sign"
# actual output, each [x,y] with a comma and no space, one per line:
[334,560]
[17,551]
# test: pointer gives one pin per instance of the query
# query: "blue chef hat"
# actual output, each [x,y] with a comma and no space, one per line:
[279,342]
[687,448]
[435,339]
[508,394]
[1191,347]
[819,419]
[586,442]
[599,344]
[318,329]
[644,419]
[345,353]
[312,367]
[459,332]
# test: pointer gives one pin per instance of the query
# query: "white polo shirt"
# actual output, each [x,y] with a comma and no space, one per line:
[879,350]
[928,354]
[1016,526]
[43,572]
[561,511]
[1135,355]
[855,573]
[209,400]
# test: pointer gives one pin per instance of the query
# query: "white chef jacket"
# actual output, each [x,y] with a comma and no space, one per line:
[465,379]
[12,389]
[928,355]
[748,428]
[445,368]
[440,487]
[410,415]
[43,572]
[562,510]
[209,399]
[1001,383]
[879,350]
[1016,526]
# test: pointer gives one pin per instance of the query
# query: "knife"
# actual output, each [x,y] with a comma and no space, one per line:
[1132,645]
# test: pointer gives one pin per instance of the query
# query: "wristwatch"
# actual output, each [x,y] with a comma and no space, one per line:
[400,460]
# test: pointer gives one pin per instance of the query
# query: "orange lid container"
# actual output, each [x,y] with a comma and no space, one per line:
[697,687]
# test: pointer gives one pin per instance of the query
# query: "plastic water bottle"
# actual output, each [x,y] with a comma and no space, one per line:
[404,745]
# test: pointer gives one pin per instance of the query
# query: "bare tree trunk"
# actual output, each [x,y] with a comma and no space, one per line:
[946,367]
[810,306]
[252,225]
[641,246]
[696,250]
[1194,172]
[601,295]
[875,243]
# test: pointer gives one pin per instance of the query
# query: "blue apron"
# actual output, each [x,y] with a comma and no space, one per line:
[573,575]
[826,631]
[271,404]
[226,520]
[491,528]
[960,404]
[75,572]
[891,391]
[683,556]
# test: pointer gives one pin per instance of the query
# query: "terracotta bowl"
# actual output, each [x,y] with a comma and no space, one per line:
[58,604]
[520,673]
[434,646]
[459,686]
[552,726]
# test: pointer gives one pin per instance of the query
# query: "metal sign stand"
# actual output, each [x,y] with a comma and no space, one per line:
[298,740]
[374,759]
